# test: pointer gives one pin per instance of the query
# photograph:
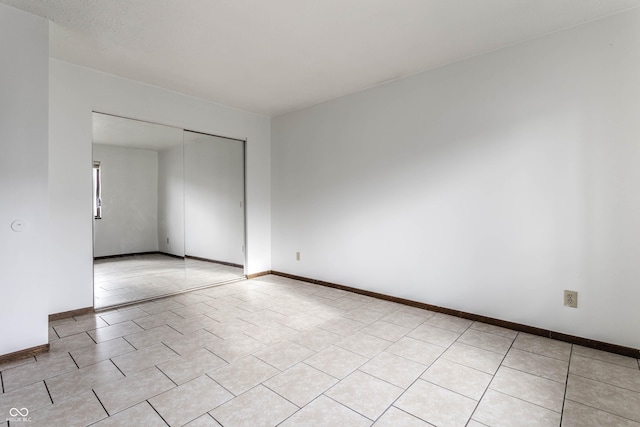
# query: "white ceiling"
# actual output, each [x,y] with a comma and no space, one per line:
[275,56]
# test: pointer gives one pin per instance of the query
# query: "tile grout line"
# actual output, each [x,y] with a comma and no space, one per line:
[425,370]
[48,392]
[1,382]
[99,401]
[566,385]
[493,376]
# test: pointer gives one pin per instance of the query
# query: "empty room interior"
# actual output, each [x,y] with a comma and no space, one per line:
[320,213]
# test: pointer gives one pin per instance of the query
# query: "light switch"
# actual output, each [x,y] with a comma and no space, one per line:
[19,225]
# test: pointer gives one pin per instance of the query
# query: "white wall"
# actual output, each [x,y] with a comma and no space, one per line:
[171,201]
[23,180]
[214,196]
[129,186]
[74,93]
[486,186]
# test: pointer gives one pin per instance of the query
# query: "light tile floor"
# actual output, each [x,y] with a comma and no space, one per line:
[274,351]
[126,279]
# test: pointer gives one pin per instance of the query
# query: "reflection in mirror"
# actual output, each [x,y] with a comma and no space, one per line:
[140,191]
[214,207]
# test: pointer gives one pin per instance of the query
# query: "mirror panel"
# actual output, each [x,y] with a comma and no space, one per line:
[214,206]
[167,222]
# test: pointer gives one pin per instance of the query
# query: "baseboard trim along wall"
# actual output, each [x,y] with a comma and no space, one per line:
[71,313]
[231,264]
[23,354]
[95,258]
[585,342]
[262,273]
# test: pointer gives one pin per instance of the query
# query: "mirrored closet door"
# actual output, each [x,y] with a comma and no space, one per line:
[168,210]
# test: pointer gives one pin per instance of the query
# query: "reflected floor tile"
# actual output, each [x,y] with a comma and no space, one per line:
[578,415]
[255,408]
[501,410]
[473,357]
[301,384]
[79,410]
[616,375]
[325,412]
[189,401]
[32,397]
[436,405]
[605,397]
[336,361]
[394,369]
[365,394]
[394,417]
[540,391]
[544,346]
[126,392]
[536,364]
[140,415]
[243,374]
[466,381]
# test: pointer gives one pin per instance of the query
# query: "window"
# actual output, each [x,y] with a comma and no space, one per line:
[97,191]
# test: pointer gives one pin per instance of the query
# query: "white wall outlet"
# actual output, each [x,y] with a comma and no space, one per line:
[297,256]
[571,299]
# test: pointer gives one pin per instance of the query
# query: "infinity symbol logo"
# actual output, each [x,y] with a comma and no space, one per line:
[14,412]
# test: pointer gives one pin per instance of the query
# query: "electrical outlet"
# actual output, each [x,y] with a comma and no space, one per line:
[297,256]
[571,299]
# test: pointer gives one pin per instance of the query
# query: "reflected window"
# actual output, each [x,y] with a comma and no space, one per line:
[97,192]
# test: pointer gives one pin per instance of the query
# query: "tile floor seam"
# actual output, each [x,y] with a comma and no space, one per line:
[526,401]
[99,401]
[566,384]
[163,373]
[636,392]
[602,410]
[156,411]
[74,360]
[1,383]
[493,376]
[351,409]
[48,392]
[226,389]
